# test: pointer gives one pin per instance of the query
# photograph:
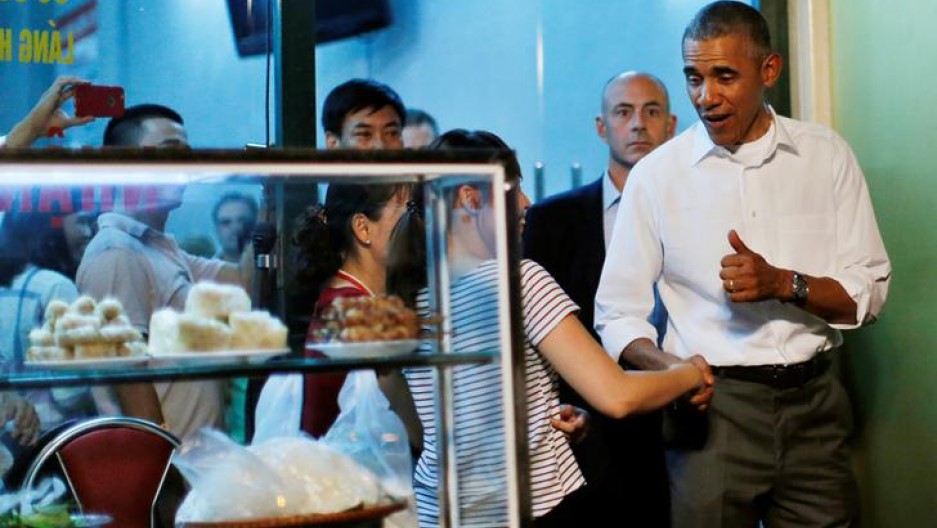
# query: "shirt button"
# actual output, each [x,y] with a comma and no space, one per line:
[754,214]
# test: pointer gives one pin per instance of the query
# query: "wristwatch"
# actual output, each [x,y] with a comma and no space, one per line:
[799,289]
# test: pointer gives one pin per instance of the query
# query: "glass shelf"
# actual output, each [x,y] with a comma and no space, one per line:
[35,378]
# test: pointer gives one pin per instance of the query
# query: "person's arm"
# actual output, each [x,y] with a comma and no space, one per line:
[47,114]
[395,389]
[611,390]
[748,277]
[241,273]
[626,300]
[854,292]
[863,267]
[645,355]
[140,401]
[625,297]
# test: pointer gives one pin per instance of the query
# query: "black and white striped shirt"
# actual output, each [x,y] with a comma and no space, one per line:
[480,450]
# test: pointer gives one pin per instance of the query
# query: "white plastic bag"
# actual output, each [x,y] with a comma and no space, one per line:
[45,493]
[285,476]
[227,480]
[371,433]
[279,408]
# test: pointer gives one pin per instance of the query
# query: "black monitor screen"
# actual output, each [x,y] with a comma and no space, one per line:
[335,20]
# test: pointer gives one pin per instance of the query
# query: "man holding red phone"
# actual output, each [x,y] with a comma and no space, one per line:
[133,260]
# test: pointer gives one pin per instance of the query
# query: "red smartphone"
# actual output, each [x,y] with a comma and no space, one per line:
[99,101]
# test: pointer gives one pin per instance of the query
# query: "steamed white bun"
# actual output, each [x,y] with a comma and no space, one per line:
[257,330]
[216,301]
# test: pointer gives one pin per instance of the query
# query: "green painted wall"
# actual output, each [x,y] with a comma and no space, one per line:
[885,104]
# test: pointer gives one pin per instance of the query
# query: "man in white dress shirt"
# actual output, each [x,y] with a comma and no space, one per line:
[760,234]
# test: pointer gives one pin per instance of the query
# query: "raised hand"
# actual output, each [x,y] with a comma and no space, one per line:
[747,276]
[48,115]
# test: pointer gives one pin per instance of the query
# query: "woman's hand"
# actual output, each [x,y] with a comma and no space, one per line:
[573,422]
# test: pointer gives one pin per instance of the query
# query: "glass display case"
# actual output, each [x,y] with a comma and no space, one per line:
[59,206]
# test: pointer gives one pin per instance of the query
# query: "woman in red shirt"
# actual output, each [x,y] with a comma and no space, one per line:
[344,248]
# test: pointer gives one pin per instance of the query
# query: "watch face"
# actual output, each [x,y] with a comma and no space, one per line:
[800,288]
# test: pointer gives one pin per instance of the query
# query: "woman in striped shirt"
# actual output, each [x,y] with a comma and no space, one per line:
[556,343]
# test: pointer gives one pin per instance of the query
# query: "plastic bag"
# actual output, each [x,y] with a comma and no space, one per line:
[372,434]
[228,481]
[44,494]
[284,476]
[279,408]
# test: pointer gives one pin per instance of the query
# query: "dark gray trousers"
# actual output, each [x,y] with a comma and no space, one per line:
[779,457]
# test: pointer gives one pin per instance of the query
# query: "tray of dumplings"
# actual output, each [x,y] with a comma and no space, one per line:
[217,325]
[85,335]
[366,327]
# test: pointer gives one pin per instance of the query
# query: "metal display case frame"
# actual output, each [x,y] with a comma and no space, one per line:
[276,170]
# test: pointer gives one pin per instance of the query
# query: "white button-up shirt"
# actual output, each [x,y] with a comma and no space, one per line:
[797,197]
[611,197]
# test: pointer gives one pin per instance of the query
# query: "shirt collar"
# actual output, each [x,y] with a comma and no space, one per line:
[703,145]
[131,226]
[610,193]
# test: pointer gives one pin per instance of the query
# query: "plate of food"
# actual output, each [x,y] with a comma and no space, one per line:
[85,335]
[365,327]
[366,349]
[216,327]
[88,363]
[166,359]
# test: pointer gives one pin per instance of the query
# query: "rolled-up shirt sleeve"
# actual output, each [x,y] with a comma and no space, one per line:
[863,267]
[624,303]
[208,269]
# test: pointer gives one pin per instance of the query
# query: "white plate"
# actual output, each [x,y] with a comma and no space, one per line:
[366,349]
[216,356]
[88,364]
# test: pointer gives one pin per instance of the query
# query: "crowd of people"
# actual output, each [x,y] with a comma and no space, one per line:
[680,312]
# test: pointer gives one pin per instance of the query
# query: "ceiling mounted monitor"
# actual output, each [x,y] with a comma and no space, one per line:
[335,20]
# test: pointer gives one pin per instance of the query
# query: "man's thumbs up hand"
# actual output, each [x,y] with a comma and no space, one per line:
[746,276]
